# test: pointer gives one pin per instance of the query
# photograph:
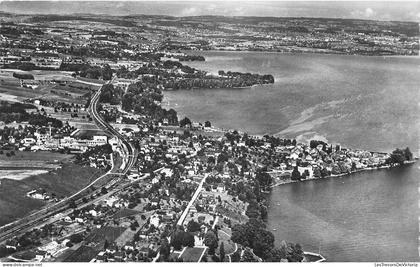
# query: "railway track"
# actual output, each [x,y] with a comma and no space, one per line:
[41,216]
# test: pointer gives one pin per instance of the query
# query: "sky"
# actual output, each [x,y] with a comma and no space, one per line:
[375,10]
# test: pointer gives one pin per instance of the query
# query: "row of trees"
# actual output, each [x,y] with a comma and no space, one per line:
[87,71]
[146,100]
[111,94]
[399,156]
[16,112]
[94,152]
[23,76]
[254,235]
[266,78]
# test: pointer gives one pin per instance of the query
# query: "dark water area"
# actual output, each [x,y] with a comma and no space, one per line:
[370,103]
[369,216]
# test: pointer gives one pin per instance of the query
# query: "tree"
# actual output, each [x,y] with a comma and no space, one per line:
[336,169]
[397,157]
[23,75]
[295,174]
[103,191]
[214,258]
[295,253]
[248,256]
[4,251]
[315,143]
[276,255]
[257,190]
[133,227]
[263,178]
[353,166]
[222,252]
[235,257]
[72,205]
[240,234]
[106,72]
[407,153]
[317,172]
[207,124]
[184,122]
[106,244]
[263,243]
[165,249]
[211,241]
[324,172]
[193,226]
[76,238]
[253,209]
[176,240]
[188,239]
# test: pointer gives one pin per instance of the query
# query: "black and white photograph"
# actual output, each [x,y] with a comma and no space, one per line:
[159,132]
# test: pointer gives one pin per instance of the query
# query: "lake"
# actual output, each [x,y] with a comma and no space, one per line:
[360,102]
[371,216]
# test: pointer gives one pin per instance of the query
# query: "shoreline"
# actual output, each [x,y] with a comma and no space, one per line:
[340,175]
[298,53]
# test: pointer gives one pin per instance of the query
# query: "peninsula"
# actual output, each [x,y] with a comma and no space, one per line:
[146,185]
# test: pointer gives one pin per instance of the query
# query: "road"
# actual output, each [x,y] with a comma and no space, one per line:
[185,212]
[194,197]
[39,217]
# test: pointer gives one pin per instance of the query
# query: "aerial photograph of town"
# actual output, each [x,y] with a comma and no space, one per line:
[209,132]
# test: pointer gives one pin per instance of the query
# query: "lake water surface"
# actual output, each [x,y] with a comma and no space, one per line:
[361,102]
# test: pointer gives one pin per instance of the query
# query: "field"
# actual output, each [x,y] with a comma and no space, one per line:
[174,255]
[20,174]
[125,213]
[13,200]
[11,90]
[94,243]
[129,234]
[109,233]
[192,254]
[84,126]
[52,75]
[125,237]
[72,92]
[224,236]
[88,133]
[38,156]
[87,80]
[25,164]
[82,254]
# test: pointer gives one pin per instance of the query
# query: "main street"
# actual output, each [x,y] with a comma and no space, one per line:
[39,217]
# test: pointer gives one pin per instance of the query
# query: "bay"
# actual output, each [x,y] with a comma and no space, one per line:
[360,102]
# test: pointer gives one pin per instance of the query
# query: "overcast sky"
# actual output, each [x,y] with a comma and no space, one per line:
[377,10]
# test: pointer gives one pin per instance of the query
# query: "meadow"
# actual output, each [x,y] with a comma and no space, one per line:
[62,182]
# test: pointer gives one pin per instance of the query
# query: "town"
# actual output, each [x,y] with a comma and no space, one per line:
[166,188]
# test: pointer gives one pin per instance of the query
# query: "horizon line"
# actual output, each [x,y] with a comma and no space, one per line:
[174,16]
